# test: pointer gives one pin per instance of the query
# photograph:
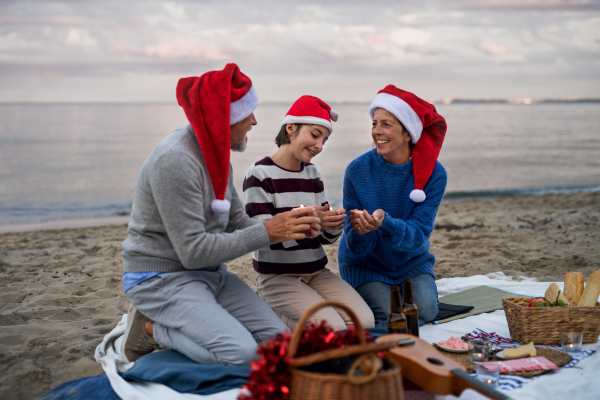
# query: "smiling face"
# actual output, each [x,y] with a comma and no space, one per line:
[308,141]
[390,137]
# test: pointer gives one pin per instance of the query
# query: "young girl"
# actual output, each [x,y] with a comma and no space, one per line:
[292,275]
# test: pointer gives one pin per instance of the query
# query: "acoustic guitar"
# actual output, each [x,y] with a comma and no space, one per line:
[427,368]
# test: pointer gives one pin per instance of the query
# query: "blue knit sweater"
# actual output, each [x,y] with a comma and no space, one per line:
[400,247]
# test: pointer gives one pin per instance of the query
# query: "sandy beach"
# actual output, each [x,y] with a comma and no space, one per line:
[62,291]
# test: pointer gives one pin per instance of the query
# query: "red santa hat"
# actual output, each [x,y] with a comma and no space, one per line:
[427,129]
[212,103]
[310,110]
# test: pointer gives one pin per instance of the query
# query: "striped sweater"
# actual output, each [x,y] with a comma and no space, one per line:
[270,189]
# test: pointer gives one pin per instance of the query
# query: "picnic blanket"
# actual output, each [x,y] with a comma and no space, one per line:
[575,382]
[481,299]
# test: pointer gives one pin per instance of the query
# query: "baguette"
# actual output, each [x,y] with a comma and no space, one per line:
[553,293]
[591,291]
[573,287]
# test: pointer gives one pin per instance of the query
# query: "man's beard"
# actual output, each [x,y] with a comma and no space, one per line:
[240,146]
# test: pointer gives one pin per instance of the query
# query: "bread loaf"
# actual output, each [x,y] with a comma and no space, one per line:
[573,287]
[591,291]
[553,293]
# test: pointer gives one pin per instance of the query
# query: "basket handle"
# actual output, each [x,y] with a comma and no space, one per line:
[295,340]
[367,362]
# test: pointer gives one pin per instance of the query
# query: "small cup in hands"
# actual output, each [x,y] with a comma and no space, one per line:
[479,350]
[571,341]
[488,373]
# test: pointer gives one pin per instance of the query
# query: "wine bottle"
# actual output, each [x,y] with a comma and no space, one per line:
[396,320]
[410,310]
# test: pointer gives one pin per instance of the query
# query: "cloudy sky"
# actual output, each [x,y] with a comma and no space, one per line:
[136,50]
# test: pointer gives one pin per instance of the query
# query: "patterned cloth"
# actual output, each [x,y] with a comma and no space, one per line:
[510,382]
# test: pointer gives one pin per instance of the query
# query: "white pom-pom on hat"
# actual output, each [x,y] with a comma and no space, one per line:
[334,116]
[220,206]
[417,195]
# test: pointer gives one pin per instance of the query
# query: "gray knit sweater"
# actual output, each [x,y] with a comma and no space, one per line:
[172,226]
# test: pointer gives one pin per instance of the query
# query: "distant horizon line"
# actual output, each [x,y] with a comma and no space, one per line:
[445,101]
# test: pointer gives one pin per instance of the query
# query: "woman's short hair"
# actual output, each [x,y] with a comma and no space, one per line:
[283,137]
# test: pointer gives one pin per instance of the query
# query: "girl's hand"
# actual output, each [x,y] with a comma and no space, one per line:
[331,219]
[362,222]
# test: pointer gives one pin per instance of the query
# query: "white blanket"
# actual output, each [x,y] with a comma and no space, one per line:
[578,383]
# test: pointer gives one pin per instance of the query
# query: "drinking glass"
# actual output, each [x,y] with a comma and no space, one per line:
[479,350]
[488,373]
[571,341]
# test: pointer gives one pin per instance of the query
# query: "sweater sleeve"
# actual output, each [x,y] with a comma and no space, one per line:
[238,219]
[357,244]
[329,236]
[259,203]
[178,189]
[405,235]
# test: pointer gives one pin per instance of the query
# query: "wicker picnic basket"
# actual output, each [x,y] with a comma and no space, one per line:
[378,383]
[542,325]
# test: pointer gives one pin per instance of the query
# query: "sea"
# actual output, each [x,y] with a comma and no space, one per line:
[81,161]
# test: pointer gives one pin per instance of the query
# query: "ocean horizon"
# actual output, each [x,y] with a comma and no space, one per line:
[81,161]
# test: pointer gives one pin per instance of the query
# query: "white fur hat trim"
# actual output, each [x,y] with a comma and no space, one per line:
[401,110]
[242,108]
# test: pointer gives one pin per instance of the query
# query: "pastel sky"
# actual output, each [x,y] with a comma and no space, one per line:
[136,50]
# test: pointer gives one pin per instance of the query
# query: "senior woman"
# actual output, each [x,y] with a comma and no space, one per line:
[393,193]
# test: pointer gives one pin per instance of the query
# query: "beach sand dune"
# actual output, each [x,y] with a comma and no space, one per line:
[61,290]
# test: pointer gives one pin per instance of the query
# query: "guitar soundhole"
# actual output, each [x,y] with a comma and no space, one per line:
[435,361]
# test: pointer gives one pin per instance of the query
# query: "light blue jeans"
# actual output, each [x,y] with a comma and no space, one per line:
[212,317]
[377,296]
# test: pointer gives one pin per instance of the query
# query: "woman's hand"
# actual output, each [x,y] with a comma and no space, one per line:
[331,219]
[362,222]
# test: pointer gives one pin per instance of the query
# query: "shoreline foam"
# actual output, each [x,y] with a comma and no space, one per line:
[453,196]
[65,224]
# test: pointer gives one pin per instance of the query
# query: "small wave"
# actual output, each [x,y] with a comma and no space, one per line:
[20,213]
[490,194]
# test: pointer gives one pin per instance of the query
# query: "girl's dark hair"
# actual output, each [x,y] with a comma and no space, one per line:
[283,137]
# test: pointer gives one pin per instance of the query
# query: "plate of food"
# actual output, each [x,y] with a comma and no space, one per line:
[453,345]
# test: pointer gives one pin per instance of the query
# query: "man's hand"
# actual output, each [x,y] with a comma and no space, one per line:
[299,223]
[331,219]
[362,222]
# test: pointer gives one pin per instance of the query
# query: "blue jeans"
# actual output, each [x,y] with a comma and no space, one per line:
[377,296]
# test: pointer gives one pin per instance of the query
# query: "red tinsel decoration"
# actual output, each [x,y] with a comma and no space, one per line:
[270,374]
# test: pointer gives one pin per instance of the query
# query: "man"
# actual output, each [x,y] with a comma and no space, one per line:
[187,220]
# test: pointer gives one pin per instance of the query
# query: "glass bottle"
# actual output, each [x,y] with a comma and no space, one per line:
[396,320]
[410,310]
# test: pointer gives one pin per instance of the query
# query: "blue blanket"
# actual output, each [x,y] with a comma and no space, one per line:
[169,368]
[92,388]
[184,375]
